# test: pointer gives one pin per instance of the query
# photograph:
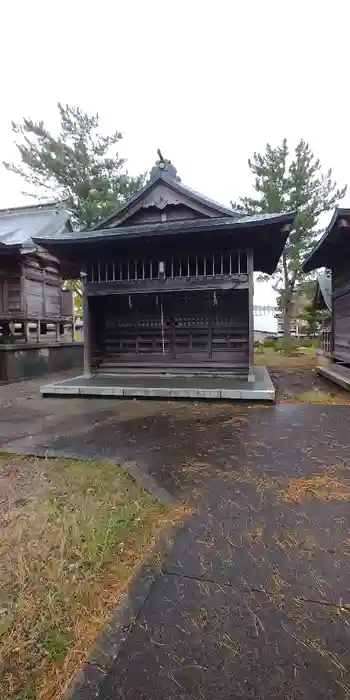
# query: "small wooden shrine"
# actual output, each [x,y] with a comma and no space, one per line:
[168,280]
[30,278]
[36,314]
[333,253]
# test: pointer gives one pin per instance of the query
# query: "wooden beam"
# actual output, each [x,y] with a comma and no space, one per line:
[168,285]
[250,270]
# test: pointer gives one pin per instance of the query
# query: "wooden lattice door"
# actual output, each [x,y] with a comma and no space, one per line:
[189,321]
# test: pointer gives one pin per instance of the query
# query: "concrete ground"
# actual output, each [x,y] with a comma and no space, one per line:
[253,600]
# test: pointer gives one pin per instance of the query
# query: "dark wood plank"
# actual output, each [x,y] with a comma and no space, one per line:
[250,263]
[168,285]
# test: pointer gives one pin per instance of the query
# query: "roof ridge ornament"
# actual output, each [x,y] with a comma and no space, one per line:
[163,166]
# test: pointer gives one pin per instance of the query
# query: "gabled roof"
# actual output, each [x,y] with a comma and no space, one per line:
[20,225]
[320,255]
[168,177]
[266,234]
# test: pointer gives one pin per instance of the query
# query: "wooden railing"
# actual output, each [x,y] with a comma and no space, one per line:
[213,265]
[326,340]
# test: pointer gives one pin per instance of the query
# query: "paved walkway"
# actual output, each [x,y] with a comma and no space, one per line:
[253,600]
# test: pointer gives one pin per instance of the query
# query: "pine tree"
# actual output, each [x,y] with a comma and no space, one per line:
[285,184]
[78,165]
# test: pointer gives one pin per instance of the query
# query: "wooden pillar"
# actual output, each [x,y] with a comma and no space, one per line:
[26,331]
[38,332]
[210,334]
[331,349]
[250,269]
[57,332]
[87,330]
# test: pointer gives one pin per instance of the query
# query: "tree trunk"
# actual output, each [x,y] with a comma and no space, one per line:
[287,339]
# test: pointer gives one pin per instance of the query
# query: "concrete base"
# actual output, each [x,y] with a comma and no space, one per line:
[26,360]
[323,359]
[336,373]
[170,386]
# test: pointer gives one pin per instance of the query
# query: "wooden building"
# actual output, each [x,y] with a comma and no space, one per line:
[333,253]
[30,277]
[168,280]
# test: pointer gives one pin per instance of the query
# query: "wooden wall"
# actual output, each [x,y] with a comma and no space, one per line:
[10,285]
[156,215]
[31,288]
[341,309]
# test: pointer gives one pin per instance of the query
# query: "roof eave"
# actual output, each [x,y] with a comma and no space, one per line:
[318,256]
[267,264]
[159,229]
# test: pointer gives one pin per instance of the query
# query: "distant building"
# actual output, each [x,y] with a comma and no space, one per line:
[265,322]
[296,326]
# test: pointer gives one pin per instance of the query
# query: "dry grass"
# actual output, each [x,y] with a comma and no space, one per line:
[73,533]
[273,359]
[331,484]
[325,486]
[261,480]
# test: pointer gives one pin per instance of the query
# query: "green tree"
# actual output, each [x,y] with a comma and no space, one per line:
[312,319]
[78,165]
[287,182]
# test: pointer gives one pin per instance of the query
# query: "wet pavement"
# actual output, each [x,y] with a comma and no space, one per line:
[253,600]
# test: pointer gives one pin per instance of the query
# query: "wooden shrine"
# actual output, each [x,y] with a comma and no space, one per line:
[35,311]
[168,281]
[30,277]
[333,253]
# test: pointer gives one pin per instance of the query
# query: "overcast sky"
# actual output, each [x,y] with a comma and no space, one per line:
[207,82]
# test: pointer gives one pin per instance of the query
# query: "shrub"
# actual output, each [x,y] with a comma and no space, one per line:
[258,347]
[306,343]
[270,343]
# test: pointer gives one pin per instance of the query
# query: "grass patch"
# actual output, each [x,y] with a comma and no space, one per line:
[314,396]
[273,358]
[73,533]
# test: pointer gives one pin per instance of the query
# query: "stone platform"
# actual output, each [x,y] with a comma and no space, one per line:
[335,373]
[27,360]
[167,386]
